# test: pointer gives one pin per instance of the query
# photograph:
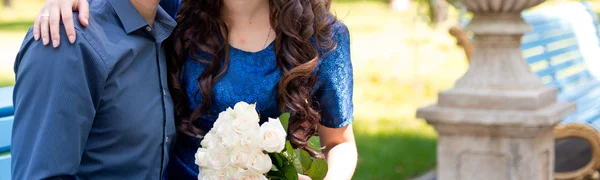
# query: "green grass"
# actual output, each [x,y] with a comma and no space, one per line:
[18,26]
[6,81]
[391,149]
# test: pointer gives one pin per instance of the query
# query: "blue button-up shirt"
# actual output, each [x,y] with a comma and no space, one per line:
[99,108]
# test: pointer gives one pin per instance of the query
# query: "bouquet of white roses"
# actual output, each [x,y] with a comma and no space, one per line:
[237,147]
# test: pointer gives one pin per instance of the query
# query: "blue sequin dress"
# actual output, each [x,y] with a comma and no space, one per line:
[252,77]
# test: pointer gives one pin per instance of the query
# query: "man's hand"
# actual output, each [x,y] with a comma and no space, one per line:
[47,24]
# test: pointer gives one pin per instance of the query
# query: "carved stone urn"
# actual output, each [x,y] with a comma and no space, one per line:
[497,122]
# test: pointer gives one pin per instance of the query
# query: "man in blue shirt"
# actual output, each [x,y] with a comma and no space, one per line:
[98,108]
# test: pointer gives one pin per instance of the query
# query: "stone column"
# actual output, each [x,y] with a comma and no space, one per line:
[496,123]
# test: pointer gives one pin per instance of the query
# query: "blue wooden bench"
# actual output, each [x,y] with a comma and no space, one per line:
[6,121]
[563,41]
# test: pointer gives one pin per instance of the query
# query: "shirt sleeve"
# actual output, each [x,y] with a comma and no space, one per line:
[171,6]
[335,87]
[55,97]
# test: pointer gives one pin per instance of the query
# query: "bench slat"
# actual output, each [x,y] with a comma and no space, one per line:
[5,167]
[588,109]
[535,18]
[556,23]
[550,54]
[546,40]
[558,67]
[5,133]
[581,91]
[582,75]
[589,99]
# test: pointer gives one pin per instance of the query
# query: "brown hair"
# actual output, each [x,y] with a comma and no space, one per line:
[303,31]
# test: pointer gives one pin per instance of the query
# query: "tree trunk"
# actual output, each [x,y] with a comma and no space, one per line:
[440,11]
[6,3]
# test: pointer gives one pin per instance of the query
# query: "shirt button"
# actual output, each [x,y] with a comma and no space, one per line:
[164,92]
[166,139]
[148,28]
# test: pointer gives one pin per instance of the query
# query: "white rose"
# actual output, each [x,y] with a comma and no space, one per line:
[250,175]
[204,174]
[228,114]
[218,159]
[202,157]
[233,172]
[241,124]
[223,127]
[259,162]
[243,109]
[211,140]
[211,174]
[239,156]
[250,139]
[225,117]
[272,136]
[220,175]
[207,174]
[223,122]
[229,139]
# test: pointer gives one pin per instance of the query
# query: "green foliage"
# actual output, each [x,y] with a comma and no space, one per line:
[317,169]
[285,119]
[303,159]
[429,11]
[277,159]
[16,25]
[290,161]
[314,143]
[290,172]
[355,1]
[289,149]
[399,153]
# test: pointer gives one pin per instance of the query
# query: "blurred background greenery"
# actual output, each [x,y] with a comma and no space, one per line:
[400,62]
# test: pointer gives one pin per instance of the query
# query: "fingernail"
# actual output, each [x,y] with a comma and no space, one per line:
[71,39]
[45,41]
[55,43]
[86,21]
[36,37]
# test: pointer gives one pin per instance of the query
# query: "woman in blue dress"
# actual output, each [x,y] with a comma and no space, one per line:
[284,55]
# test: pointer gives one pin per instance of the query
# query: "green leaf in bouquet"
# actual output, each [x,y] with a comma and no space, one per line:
[314,143]
[290,172]
[305,159]
[298,165]
[275,174]
[318,169]
[277,160]
[285,119]
[289,149]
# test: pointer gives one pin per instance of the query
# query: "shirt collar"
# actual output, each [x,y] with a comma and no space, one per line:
[132,20]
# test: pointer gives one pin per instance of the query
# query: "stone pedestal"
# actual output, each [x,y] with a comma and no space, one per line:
[497,123]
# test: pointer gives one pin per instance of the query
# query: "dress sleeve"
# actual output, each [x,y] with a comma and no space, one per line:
[171,6]
[335,81]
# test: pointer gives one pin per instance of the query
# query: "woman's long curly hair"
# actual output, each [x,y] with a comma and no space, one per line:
[303,31]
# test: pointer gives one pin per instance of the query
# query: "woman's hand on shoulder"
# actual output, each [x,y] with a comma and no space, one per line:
[47,24]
